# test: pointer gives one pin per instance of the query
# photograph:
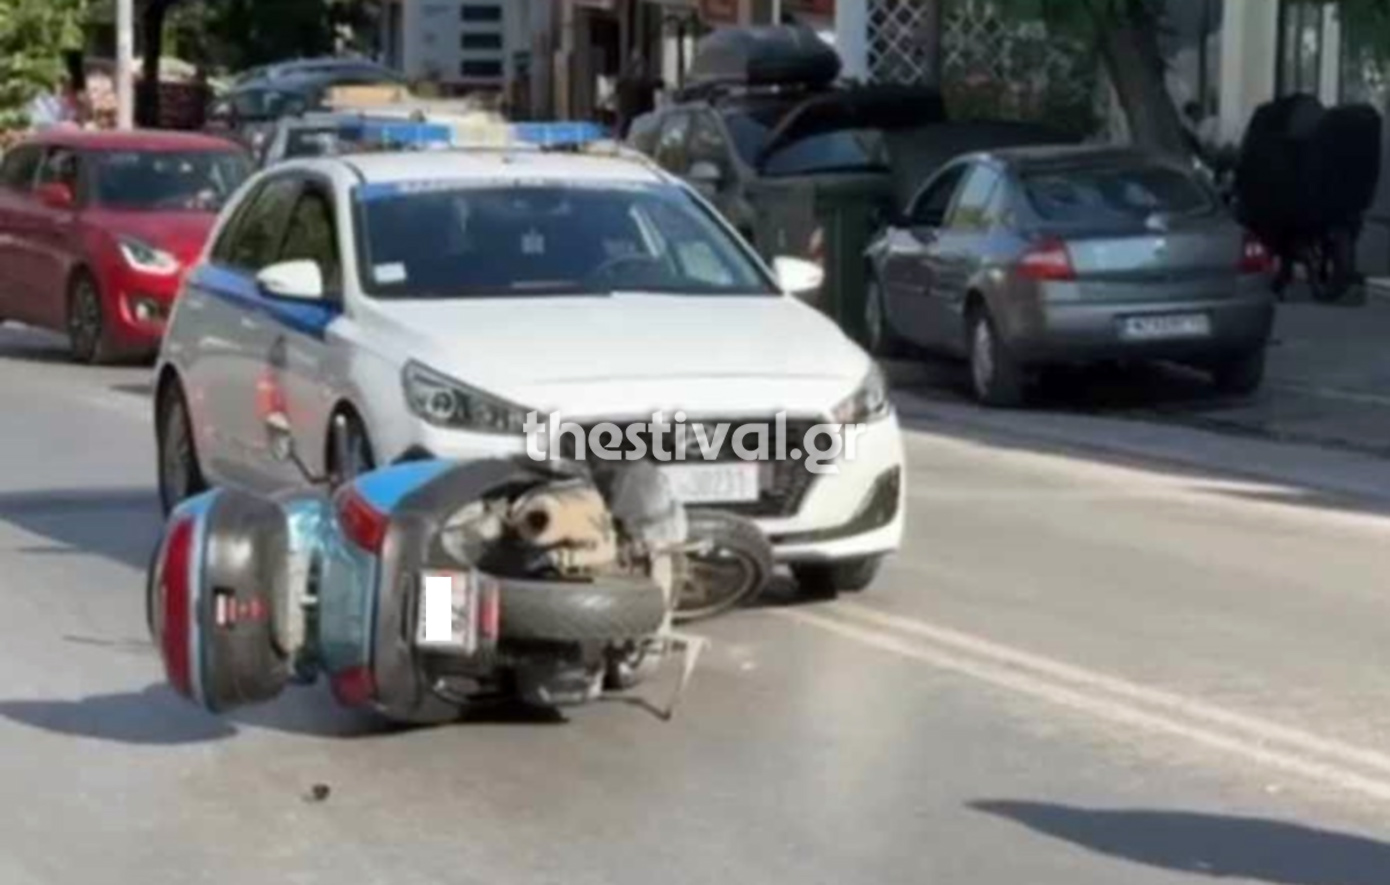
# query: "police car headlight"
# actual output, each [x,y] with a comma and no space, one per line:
[869,402]
[143,257]
[444,402]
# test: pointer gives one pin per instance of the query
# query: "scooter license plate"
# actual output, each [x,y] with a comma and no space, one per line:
[456,612]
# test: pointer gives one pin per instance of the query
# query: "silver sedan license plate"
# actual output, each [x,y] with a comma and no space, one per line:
[1159,327]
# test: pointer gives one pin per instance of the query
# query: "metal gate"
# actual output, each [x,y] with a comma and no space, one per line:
[994,64]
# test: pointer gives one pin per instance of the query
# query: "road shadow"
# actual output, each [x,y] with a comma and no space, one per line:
[781,591]
[154,716]
[1038,431]
[33,345]
[1213,845]
[1116,389]
[122,524]
[140,389]
[158,716]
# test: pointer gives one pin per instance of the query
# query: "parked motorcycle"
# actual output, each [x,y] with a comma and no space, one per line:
[1305,178]
[419,588]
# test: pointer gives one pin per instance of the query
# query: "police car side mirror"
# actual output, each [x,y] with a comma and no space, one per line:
[705,176]
[296,280]
[798,277]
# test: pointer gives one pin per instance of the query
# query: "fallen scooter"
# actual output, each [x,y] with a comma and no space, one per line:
[420,588]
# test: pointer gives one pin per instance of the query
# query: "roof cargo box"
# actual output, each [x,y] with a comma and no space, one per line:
[764,56]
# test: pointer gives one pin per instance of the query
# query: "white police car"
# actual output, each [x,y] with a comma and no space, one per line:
[395,306]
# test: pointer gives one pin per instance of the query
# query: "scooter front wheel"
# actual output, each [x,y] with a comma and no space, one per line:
[733,570]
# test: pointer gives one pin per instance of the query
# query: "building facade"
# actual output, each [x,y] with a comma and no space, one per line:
[458,45]
[561,56]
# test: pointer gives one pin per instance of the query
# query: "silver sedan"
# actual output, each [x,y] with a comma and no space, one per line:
[1028,257]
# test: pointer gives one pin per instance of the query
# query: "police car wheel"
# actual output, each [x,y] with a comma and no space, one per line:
[180,475]
[349,450]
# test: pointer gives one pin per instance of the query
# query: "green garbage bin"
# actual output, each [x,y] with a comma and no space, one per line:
[847,210]
[850,214]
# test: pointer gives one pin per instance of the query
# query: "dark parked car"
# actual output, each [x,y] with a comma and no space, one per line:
[250,111]
[776,146]
[326,65]
[1027,257]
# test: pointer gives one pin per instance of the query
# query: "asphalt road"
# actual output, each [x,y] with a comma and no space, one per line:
[1083,669]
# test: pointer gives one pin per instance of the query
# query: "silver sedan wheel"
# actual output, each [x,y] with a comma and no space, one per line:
[982,367]
[873,317]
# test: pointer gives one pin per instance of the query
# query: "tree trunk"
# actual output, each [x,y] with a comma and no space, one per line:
[152,33]
[1129,48]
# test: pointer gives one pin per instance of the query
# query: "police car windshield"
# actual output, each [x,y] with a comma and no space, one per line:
[592,238]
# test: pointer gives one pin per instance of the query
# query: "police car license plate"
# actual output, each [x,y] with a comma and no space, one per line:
[714,483]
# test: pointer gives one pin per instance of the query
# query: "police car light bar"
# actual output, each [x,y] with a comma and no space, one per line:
[477,133]
[404,133]
[559,134]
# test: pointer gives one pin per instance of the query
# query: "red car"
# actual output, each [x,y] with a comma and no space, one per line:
[96,229]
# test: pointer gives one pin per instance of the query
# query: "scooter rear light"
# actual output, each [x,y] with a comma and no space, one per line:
[175,606]
[1254,257]
[353,687]
[362,523]
[1048,260]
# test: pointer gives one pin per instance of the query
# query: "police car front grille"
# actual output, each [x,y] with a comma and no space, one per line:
[784,483]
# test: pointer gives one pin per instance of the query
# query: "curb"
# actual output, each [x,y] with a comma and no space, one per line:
[1346,475]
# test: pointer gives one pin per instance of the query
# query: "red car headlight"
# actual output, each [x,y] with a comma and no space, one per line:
[142,256]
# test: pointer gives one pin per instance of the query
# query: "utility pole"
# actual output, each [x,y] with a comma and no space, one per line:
[125,64]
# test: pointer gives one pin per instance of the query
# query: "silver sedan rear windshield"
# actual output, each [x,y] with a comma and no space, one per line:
[427,240]
[1113,193]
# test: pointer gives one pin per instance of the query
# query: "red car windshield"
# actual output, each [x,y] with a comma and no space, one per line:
[167,181]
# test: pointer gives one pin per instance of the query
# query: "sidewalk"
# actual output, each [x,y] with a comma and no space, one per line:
[1328,381]
[1327,384]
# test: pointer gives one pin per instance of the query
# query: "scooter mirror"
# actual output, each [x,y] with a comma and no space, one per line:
[277,427]
[282,447]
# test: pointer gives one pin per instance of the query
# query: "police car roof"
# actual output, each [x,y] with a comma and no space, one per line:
[450,165]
